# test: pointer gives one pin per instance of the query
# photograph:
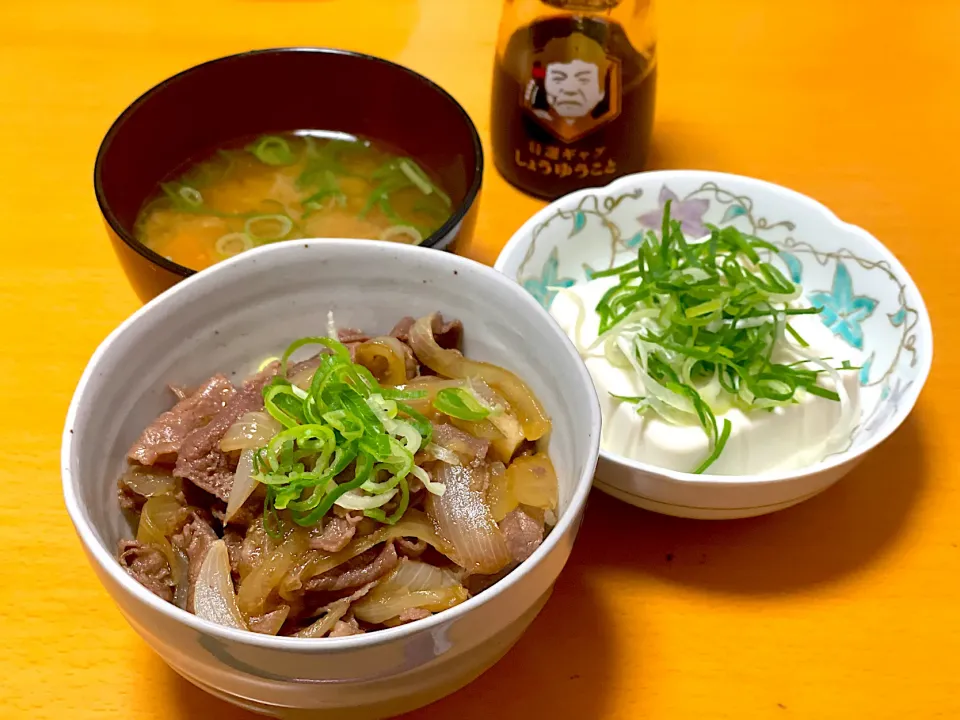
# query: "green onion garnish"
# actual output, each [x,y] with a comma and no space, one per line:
[345,419]
[418,177]
[461,404]
[182,197]
[272,150]
[699,320]
[268,228]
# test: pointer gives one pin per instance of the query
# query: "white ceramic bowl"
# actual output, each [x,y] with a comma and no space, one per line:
[250,307]
[870,302]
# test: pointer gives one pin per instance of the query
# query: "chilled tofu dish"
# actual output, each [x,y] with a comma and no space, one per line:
[707,359]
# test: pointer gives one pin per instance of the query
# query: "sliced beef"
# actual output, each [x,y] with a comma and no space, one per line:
[351,335]
[357,572]
[356,594]
[410,362]
[412,615]
[401,331]
[149,567]
[523,533]
[233,539]
[352,348]
[476,584]
[165,435]
[247,513]
[345,628]
[411,547]
[130,501]
[271,622]
[194,540]
[447,334]
[139,482]
[336,534]
[355,517]
[200,460]
[470,449]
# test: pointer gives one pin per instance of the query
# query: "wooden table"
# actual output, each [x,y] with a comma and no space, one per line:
[847,606]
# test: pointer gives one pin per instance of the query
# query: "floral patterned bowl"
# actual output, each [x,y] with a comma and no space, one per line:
[867,299]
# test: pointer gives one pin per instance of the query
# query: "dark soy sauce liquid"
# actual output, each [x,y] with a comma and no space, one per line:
[531,157]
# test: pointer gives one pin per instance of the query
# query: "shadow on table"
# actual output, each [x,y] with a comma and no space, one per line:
[818,541]
[558,668]
[190,702]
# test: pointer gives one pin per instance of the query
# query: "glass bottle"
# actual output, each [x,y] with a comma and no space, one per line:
[573,92]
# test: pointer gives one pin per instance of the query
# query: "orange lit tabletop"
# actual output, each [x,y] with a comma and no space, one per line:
[847,606]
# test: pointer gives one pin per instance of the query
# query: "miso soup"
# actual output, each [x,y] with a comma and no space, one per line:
[288,186]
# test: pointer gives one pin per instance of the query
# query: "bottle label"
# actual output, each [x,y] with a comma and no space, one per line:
[573,88]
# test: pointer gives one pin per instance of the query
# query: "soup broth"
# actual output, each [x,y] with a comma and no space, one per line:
[288,186]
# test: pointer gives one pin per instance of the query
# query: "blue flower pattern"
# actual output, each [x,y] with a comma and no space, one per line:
[794,266]
[891,396]
[841,310]
[543,288]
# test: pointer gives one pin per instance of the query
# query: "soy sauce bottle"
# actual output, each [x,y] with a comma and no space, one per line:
[573,92]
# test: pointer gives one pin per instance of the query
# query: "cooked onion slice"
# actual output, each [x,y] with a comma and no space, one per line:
[161,517]
[412,584]
[244,483]
[500,495]
[414,524]
[438,452]
[252,430]
[464,520]
[272,622]
[452,364]
[256,588]
[324,625]
[213,597]
[431,385]
[533,481]
[333,612]
[502,448]
[148,481]
[384,357]
[504,420]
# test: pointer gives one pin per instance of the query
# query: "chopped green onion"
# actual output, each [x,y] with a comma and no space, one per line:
[268,228]
[420,178]
[191,196]
[272,150]
[417,176]
[402,230]
[461,404]
[698,321]
[344,419]
[717,448]
[233,244]
[183,197]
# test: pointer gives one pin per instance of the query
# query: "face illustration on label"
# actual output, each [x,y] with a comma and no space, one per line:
[574,87]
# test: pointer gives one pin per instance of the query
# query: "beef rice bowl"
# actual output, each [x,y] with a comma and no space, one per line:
[372,484]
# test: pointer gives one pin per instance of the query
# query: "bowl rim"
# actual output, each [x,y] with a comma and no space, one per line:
[116,126]
[520,241]
[258,261]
